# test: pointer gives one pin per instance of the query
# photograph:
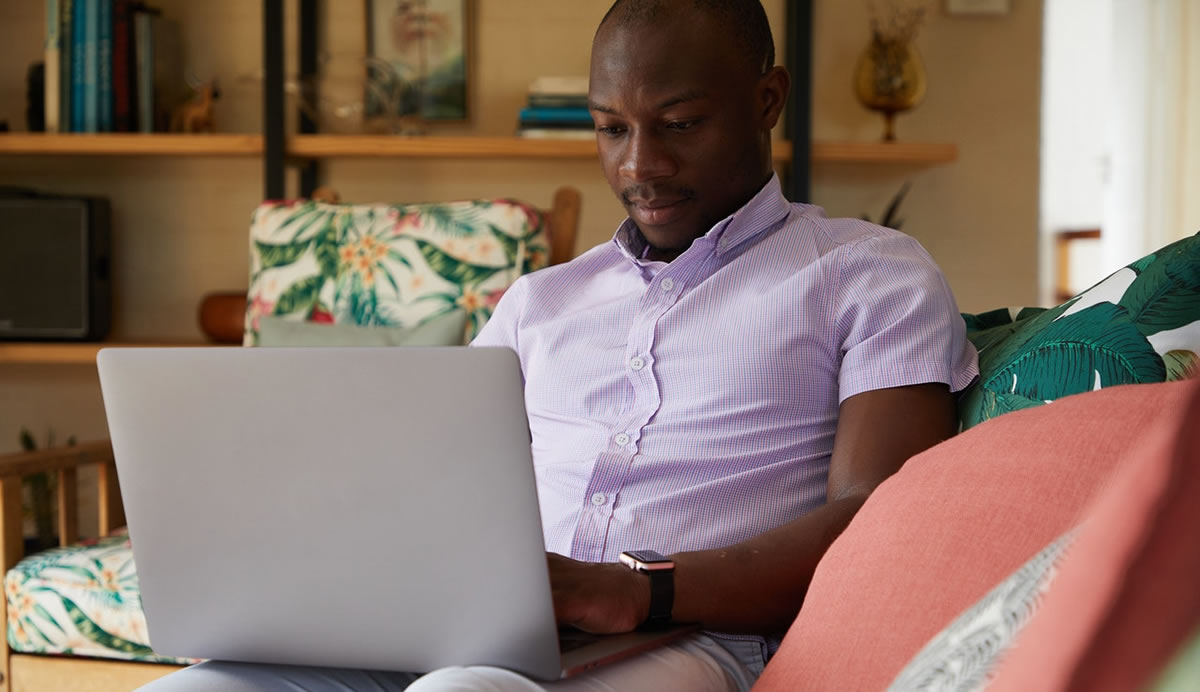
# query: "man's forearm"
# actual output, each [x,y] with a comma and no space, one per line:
[757,586]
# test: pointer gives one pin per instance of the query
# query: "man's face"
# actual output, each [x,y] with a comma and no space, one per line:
[681,125]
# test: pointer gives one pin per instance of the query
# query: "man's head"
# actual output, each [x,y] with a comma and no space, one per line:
[684,94]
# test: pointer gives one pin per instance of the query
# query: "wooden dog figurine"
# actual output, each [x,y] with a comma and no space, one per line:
[196,115]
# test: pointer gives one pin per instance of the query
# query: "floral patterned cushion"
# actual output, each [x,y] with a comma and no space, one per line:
[82,600]
[1141,324]
[389,265]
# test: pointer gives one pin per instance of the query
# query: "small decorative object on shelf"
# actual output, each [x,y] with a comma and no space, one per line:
[890,77]
[417,61]
[223,316]
[196,114]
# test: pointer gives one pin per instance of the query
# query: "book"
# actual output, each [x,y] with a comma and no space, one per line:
[124,70]
[143,26]
[65,19]
[559,86]
[91,65]
[104,66]
[552,101]
[78,37]
[545,133]
[53,70]
[573,116]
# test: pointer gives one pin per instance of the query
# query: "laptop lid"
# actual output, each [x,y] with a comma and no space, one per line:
[371,508]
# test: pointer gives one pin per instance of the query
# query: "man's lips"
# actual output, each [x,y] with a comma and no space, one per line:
[658,211]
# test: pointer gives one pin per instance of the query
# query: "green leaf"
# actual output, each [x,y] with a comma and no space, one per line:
[45,615]
[1065,357]
[363,303]
[451,220]
[94,632]
[453,270]
[326,252]
[299,296]
[280,255]
[1140,265]
[1181,364]
[510,244]
[1002,347]
[396,256]
[1166,294]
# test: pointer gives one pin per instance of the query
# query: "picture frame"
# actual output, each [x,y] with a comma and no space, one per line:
[417,62]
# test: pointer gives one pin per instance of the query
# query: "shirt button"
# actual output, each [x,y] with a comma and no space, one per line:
[637,363]
[668,284]
[621,439]
[599,499]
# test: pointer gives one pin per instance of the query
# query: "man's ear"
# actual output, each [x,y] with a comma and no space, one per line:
[772,95]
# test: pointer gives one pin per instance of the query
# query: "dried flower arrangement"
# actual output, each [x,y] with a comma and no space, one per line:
[897,20]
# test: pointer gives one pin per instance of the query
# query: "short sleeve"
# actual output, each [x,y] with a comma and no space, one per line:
[501,327]
[897,319]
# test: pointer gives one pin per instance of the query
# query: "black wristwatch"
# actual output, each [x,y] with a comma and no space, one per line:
[661,570]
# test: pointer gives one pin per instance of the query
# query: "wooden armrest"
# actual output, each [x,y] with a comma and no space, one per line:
[56,458]
[64,461]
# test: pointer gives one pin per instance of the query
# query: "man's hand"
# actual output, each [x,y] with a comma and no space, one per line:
[603,598]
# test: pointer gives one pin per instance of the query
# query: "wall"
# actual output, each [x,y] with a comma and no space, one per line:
[181,223]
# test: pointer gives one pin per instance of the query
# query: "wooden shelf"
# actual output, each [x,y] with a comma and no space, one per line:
[383,146]
[35,353]
[927,153]
[387,146]
[122,144]
[434,147]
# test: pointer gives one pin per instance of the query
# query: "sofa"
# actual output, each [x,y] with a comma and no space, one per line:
[977,527]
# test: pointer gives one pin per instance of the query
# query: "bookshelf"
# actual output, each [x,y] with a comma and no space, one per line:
[432,147]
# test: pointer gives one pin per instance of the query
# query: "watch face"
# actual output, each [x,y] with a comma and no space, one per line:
[647,560]
[647,556]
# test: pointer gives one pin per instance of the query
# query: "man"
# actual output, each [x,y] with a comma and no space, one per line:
[728,380]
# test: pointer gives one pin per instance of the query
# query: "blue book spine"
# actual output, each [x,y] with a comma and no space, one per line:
[78,69]
[104,61]
[91,66]
[556,115]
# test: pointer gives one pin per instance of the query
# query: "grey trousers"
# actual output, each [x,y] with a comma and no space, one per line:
[698,663]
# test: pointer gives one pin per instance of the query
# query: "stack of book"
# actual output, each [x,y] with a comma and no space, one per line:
[106,66]
[557,108]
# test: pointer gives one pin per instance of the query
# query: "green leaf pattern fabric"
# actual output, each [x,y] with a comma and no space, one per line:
[389,265]
[1140,324]
[81,601]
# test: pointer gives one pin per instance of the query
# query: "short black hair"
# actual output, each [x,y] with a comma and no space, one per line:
[746,19]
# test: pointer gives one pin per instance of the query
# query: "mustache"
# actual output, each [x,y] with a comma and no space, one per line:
[645,192]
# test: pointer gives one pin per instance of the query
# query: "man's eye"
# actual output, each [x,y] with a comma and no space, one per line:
[610,130]
[681,124]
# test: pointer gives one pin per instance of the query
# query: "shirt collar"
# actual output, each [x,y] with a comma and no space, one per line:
[761,213]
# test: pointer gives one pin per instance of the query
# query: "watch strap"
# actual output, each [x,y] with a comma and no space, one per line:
[662,597]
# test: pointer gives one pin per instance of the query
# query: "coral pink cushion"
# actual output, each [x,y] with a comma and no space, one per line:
[952,524]
[1128,594]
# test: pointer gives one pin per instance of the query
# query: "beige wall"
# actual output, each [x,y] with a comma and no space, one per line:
[181,224]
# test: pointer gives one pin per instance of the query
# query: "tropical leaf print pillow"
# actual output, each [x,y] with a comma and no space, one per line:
[1141,324]
[389,265]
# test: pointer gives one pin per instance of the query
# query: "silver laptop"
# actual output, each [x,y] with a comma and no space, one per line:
[362,508]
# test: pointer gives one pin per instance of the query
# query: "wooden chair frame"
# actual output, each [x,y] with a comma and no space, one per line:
[21,672]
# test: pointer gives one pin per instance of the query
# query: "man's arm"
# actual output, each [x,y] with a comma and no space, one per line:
[757,586]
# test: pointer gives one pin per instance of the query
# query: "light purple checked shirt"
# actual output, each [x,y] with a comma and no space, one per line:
[692,404]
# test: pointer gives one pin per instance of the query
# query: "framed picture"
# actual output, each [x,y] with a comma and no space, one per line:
[417,57]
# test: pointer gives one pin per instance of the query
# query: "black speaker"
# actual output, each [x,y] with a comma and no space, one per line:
[54,268]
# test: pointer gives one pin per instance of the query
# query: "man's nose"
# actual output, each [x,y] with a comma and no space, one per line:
[646,158]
